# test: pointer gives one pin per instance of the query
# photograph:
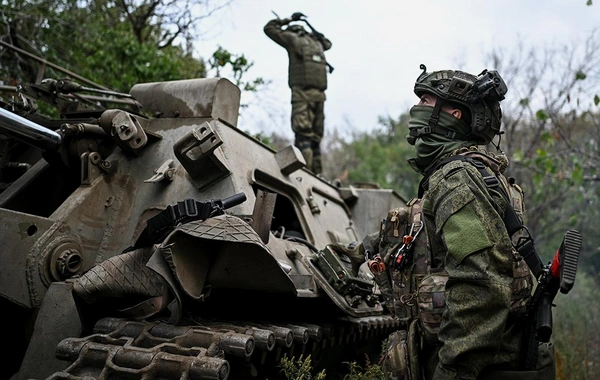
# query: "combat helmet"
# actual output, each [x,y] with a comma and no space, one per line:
[480,95]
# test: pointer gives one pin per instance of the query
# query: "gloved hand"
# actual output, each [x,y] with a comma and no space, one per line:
[297,16]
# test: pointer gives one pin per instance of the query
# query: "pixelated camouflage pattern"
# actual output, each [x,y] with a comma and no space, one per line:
[431,298]
[485,294]
[477,329]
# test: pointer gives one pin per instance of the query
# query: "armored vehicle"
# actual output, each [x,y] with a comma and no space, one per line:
[146,236]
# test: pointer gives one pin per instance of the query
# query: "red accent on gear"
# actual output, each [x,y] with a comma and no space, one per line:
[555,267]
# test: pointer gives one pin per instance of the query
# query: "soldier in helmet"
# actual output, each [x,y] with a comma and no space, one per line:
[308,80]
[451,272]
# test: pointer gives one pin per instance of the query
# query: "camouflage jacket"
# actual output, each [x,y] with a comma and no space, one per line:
[469,240]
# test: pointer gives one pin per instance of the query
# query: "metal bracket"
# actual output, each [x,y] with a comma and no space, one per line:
[165,172]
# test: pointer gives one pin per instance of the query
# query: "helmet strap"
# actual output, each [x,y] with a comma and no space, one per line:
[434,128]
[497,146]
[435,115]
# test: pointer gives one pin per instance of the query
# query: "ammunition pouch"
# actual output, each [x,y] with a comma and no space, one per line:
[431,298]
[400,360]
[396,363]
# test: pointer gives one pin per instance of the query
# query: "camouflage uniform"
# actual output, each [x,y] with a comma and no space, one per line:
[308,81]
[461,279]
[468,239]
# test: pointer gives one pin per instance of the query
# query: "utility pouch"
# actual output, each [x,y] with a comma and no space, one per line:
[521,287]
[392,230]
[396,361]
[431,298]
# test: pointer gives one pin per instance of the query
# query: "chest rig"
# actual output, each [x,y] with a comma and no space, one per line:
[410,270]
[308,66]
[405,258]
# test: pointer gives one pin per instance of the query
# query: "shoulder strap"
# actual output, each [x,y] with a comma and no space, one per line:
[512,223]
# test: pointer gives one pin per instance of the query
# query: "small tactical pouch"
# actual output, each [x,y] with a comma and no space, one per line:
[401,354]
[396,356]
[393,228]
[521,287]
[431,298]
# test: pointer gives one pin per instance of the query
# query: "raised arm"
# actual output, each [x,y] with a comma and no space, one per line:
[274,30]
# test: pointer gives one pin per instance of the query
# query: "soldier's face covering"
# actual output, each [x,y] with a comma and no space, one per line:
[432,146]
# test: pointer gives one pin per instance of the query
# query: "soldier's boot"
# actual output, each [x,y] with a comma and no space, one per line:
[317,165]
[304,145]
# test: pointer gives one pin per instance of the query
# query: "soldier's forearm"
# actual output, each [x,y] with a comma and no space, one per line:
[273,30]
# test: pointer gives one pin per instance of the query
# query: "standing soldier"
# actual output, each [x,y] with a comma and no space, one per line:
[308,81]
[448,264]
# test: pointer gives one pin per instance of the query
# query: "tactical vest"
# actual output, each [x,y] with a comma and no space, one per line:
[417,281]
[308,67]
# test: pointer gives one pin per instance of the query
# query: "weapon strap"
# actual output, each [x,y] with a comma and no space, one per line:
[525,246]
[183,212]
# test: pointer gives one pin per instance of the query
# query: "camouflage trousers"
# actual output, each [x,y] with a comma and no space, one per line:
[406,357]
[308,121]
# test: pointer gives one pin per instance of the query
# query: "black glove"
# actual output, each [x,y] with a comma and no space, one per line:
[297,16]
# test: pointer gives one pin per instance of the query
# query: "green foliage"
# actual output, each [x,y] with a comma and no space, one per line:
[300,369]
[371,372]
[95,40]
[223,63]
[267,140]
[579,75]
[542,115]
[239,66]
[596,100]
[114,44]
[379,157]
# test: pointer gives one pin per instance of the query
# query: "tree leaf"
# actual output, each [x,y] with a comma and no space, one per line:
[546,137]
[524,102]
[589,2]
[596,99]
[542,115]
[580,75]
[577,175]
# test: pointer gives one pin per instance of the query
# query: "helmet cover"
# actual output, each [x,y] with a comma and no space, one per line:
[480,95]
